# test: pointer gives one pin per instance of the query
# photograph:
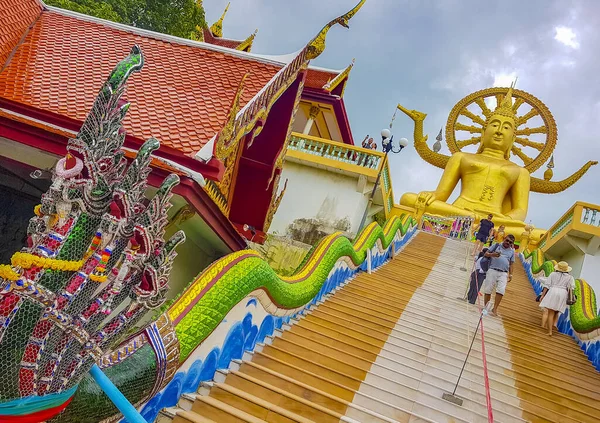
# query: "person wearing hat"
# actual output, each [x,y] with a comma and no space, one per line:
[554,301]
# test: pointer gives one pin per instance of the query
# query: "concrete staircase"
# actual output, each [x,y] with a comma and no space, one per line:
[386,346]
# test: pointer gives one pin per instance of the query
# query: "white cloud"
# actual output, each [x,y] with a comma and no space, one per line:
[510,50]
[399,59]
[503,79]
[566,36]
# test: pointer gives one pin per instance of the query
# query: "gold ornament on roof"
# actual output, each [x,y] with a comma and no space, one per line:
[217,28]
[246,45]
[317,45]
[333,83]
[224,144]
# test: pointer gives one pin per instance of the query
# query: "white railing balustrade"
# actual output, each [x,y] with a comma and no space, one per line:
[335,151]
[590,216]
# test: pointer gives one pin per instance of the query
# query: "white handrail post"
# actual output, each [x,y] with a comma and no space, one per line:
[369,268]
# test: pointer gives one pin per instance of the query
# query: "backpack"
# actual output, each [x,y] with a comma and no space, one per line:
[485,261]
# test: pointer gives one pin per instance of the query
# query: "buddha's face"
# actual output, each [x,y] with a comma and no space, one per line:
[499,134]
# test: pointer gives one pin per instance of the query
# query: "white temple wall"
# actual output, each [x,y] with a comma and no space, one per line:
[319,195]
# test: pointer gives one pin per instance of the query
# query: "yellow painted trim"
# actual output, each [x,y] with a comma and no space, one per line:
[326,162]
[575,224]
[305,106]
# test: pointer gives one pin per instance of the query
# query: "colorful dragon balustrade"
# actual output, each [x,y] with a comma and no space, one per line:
[581,321]
[96,263]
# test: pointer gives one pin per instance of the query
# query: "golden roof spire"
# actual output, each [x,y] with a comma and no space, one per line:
[333,83]
[217,27]
[246,45]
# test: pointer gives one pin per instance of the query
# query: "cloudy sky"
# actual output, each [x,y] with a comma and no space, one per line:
[428,54]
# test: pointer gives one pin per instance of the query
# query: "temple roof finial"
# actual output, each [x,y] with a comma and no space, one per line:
[317,45]
[246,45]
[333,83]
[217,27]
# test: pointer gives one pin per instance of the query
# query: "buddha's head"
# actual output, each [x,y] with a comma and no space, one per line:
[499,130]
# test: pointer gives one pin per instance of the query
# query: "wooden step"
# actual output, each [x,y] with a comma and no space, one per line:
[385,346]
[221,412]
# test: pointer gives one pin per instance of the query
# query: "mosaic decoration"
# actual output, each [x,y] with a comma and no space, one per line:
[94,264]
[230,279]
[205,303]
[244,334]
[581,320]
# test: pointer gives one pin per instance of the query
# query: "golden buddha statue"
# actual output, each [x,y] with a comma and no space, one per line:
[490,181]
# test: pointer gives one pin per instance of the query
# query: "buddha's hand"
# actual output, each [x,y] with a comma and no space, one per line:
[426,197]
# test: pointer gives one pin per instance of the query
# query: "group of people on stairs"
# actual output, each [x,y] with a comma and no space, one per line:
[494,270]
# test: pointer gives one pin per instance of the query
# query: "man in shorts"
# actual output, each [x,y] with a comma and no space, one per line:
[483,233]
[500,271]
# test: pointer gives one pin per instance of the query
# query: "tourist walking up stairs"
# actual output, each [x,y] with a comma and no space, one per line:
[385,347]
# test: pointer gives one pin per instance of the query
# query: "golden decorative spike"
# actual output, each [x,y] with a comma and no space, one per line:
[551,162]
[472,116]
[518,102]
[331,85]
[519,153]
[548,187]
[528,143]
[471,141]
[523,119]
[529,131]
[420,140]
[217,28]
[317,45]
[499,98]
[213,192]
[247,43]
[484,108]
[275,201]
[471,129]
[224,184]
[224,144]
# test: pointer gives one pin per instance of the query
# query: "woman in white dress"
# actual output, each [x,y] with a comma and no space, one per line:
[555,299]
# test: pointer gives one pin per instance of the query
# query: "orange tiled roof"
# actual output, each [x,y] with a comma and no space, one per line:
[316,78]
[182,96]
[15,17]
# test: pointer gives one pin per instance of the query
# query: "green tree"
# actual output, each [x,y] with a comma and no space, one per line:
[174,17]
[99,9]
